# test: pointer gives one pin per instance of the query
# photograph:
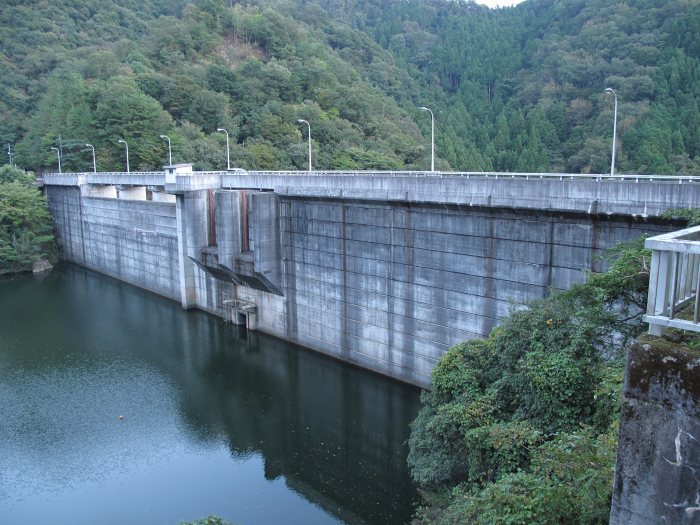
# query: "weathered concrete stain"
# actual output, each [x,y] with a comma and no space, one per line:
[657,477]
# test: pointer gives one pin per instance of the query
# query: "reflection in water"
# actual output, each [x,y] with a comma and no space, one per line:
[214,420]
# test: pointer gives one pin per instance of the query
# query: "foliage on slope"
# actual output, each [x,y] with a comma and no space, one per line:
[520,427]
[250,70]
[522,88]
[26,233]
[514,89]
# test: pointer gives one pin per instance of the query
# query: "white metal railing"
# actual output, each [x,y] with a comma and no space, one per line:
[106,173]
[674,281]
[677,179]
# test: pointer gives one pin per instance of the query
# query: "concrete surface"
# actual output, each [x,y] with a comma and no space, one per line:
[657,476]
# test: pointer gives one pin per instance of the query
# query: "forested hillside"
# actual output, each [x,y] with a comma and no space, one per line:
[515,89]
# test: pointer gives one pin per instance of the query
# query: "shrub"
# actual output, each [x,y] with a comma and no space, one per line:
[25,224]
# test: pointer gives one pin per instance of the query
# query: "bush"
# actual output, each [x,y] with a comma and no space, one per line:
[569,482]
[25,224]
[517,427]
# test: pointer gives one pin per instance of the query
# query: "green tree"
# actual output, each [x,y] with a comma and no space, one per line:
[122,111]
[26,233]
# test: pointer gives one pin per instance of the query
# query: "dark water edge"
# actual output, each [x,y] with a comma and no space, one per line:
[215,420]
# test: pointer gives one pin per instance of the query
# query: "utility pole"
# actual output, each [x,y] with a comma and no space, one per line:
[170,151]
[228,156]
[300,121]
[432,138]
[10,155]
[612,163]
[58,152]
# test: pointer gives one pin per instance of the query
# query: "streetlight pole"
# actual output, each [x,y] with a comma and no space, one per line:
[309,125]
[612,164]
[127,154]
[94,163]
[228,156]
[58,154]
[170,151]
[432,138]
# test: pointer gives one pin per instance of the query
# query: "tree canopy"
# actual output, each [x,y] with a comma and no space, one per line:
[512,89]
[26,233]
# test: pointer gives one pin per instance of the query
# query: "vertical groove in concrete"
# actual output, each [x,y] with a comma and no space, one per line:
[490,306]
[391,275]
[82,218]
[550,257]
[408,350]
[345,347]
[595,242]
[289,276]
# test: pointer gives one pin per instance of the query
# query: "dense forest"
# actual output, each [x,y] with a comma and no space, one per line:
[512,89]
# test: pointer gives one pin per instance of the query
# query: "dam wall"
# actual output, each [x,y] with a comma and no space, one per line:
[391,287]
[385,272]
[134,241]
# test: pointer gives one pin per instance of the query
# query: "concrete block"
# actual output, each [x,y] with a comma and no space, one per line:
[658,451]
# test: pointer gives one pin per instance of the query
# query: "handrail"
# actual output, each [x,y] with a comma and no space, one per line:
[488,174]
[674,280]
[678,179]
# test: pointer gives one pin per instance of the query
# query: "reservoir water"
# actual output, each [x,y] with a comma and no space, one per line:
[118,407]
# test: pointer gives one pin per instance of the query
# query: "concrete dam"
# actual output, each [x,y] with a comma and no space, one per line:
[383,270]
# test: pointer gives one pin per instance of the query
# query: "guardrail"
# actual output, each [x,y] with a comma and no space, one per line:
[677,179]
[674,281]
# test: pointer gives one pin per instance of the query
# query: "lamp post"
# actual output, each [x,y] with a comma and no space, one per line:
[58,154]
[170,151]
[94,163]
[228,156]
[432,138]
[309,125]
[127,154]
[612,164]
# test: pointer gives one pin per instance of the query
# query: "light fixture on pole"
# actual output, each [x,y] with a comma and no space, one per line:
[432,138]
[58,154]
[228,156]
[612,163]
[170,151]
[94,162]
[127,153]
[309,125]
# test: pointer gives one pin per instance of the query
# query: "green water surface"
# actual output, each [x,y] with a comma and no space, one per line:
[118,407]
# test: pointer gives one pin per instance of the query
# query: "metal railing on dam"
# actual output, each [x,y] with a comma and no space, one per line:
[108,176]
[674,281]
[679,179]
